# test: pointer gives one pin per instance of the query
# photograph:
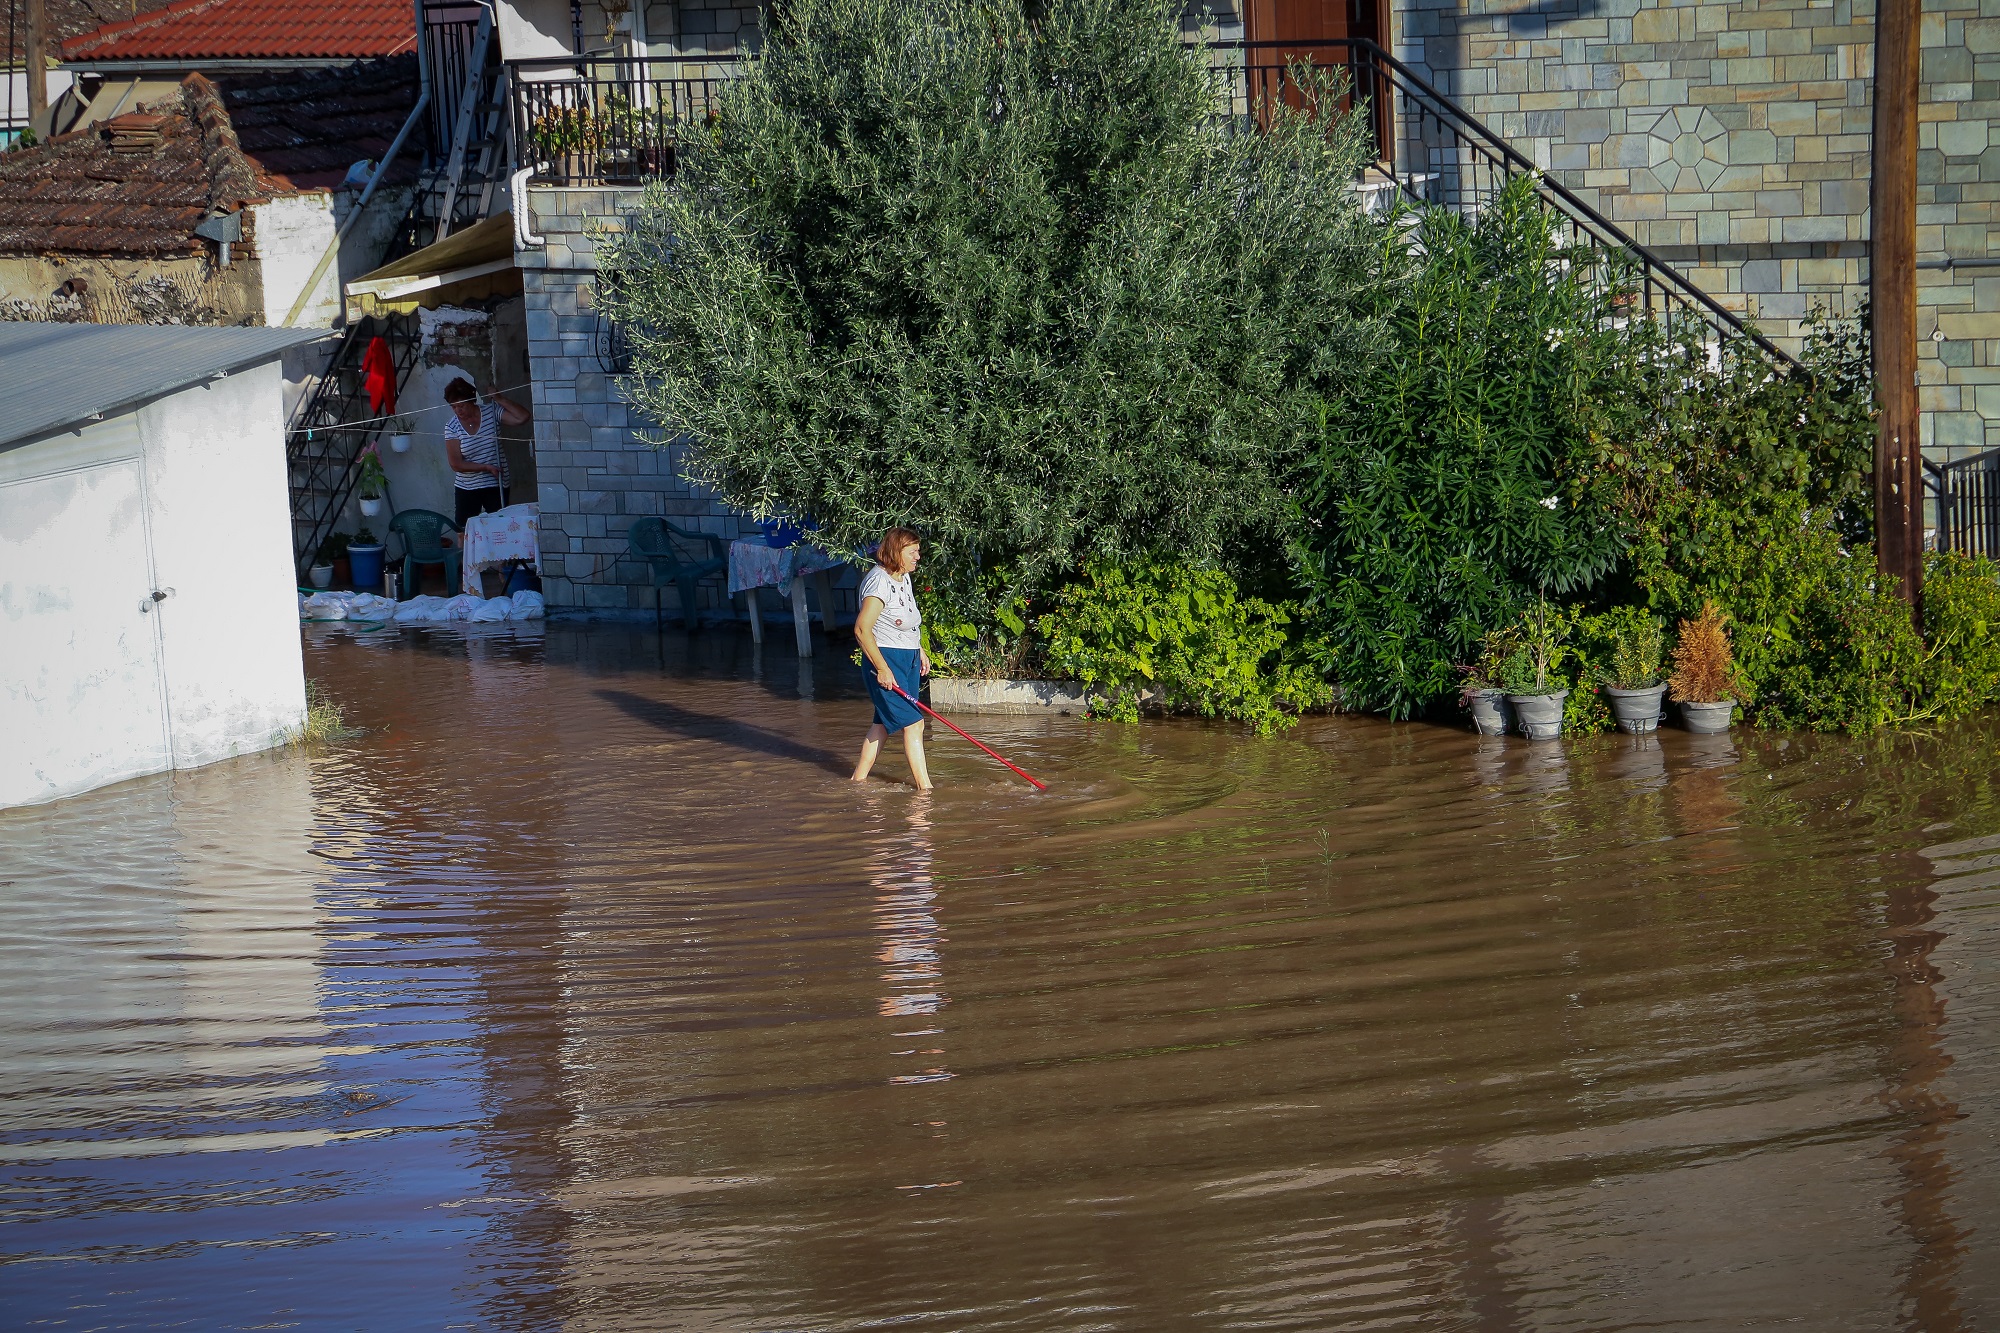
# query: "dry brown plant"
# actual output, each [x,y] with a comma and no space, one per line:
[1704,668]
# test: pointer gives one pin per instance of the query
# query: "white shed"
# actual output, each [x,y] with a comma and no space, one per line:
[148,613]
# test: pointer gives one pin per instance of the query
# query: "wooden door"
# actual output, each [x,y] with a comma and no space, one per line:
[1282,32]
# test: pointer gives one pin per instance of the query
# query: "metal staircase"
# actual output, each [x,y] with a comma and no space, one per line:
[470,176]
[334,424]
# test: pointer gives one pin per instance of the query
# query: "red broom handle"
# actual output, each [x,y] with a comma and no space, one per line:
[1039,786]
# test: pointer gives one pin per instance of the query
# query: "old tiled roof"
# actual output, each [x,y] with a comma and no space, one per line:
[268,29]
[71,18]
[133,186]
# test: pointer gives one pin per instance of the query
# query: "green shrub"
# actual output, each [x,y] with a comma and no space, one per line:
[979,628]
[1960,670]
[1003,271]
[1460,480]
[1186,635]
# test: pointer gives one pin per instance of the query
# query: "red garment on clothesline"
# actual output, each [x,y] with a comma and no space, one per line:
[379,371]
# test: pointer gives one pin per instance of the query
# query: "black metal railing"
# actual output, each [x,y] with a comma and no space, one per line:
[334,424]
[586,120]
[1965,499]
[603,120]
[1438,153]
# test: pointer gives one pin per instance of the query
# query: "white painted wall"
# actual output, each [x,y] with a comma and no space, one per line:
[187,493]
[294,231]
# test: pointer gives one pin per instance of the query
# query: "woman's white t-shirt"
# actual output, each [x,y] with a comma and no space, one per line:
[897,626]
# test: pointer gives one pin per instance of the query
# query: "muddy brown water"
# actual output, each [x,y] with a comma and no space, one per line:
[582,991]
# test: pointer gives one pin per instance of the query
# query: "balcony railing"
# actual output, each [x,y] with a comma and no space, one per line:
[599,120]
[1965,496]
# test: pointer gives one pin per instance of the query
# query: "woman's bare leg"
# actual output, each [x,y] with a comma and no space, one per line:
[871,745]
[913,746]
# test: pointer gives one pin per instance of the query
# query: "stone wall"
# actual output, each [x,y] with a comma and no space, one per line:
[597,463]
[1733,139]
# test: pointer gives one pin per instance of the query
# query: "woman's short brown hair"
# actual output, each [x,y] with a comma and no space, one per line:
[895,541]
[460,391]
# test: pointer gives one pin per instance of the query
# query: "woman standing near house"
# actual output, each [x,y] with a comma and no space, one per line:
[888,631]
[472,441]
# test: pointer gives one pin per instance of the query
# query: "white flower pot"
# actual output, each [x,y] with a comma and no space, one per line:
[322,576]
[399,443]
[371,505]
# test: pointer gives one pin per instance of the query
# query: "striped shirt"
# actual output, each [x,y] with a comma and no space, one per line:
[480,446]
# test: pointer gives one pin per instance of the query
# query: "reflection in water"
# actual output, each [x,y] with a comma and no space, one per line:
[584,991]
[911,955]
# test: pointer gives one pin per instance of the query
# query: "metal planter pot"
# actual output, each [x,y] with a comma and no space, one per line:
[1492,715]
[1541,715]
[1707,719]
[1637,711]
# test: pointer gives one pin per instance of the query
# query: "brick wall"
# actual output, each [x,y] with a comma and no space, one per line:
[1733,138]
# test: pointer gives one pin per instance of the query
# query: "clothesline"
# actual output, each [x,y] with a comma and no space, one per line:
[397,416]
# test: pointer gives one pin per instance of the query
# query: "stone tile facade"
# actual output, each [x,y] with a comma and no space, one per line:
[600,465]
[1733,139]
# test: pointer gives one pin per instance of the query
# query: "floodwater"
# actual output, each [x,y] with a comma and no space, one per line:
[583,991]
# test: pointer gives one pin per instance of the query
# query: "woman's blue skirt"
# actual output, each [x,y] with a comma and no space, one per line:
[892,710]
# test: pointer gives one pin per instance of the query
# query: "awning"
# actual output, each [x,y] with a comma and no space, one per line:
[465,265]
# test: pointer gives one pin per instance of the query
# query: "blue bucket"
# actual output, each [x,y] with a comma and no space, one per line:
[366,563]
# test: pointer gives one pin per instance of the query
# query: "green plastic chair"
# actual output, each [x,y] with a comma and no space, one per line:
[652,540]
[422,531]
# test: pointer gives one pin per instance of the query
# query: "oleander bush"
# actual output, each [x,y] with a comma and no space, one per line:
[1459,480]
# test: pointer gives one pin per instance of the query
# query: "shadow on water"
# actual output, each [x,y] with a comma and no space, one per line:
[723,730]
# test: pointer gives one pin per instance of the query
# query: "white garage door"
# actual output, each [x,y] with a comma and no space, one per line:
[80,685]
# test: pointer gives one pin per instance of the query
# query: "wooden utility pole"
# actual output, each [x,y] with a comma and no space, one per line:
[1892,295]
[36,60]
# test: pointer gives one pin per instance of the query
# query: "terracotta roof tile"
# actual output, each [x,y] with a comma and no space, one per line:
[222,144]
[271,29]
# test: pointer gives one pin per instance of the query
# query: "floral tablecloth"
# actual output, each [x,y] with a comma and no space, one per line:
[753,564]
[491,540]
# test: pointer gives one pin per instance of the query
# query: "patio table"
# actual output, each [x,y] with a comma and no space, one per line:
[493,540]
[755,564]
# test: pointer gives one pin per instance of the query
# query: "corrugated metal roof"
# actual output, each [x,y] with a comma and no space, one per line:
[61,375]
[271,29]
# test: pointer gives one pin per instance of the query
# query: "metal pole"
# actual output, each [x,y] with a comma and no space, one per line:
[1892,294]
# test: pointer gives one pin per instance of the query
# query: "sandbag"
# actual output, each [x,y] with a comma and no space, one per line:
[422,611]
[368,606]
[326,606]
[489,611]
[462,606]
[528,605]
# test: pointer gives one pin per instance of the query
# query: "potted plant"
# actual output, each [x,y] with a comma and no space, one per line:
[399,434]
[321,575]
[1705,682]
[366,554]
[332,553]
[1632,681]
[370,481]
[1492,715]
[1529,672]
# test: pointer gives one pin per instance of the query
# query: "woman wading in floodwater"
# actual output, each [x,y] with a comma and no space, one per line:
[887,630]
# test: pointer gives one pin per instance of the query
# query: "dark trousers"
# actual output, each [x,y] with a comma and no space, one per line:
[486,500]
